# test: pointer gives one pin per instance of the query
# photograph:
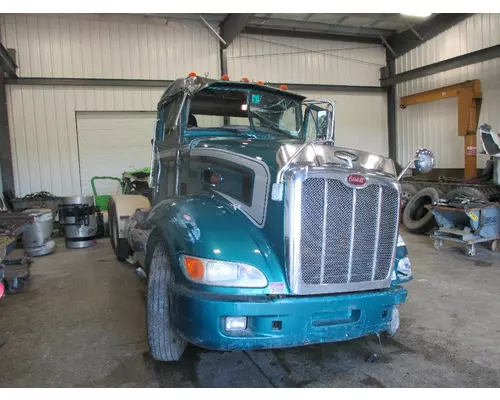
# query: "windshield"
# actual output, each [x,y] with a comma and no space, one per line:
[275,113]
[246,111]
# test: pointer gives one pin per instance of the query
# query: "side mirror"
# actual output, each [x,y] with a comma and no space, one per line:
[424,162]
[319,120]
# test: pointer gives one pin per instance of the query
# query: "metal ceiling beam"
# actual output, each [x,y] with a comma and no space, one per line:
[165,83]
[297,87]
[474,57]
[407,40]
[232,25]
[88,82]
[311,35]
[333,28]
[7,62]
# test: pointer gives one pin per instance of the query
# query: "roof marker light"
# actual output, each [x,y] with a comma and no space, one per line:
[260,82]
[225,77]
[244,79]
[284,87]
[192,74]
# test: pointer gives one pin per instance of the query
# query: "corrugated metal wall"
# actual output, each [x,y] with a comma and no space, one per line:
[434,125]
[93,46]
[42,118]
[361,117]
[361,120]
[297,60]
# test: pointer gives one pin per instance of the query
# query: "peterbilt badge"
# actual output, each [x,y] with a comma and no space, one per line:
[356,180]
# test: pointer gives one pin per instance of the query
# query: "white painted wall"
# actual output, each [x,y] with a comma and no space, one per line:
[42,119]
[110,143]
[297,60]
[361,118]
[109,46]
[434,125]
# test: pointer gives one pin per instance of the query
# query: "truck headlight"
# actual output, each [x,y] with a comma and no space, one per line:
[222,273]
[402,272]
[404,267]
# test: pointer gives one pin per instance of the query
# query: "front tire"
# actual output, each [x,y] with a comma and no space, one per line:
[164,342]
[120,245]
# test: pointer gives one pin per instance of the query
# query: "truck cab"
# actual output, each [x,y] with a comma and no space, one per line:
[259,232]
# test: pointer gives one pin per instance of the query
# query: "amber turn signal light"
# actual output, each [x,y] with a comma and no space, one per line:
[194,267]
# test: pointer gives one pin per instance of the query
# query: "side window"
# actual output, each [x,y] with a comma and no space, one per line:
[204,121]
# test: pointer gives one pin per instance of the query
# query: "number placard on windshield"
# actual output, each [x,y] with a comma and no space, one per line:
[255,99]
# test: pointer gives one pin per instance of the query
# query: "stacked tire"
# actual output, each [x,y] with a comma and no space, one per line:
[408,190]
[417,218]
[472,194]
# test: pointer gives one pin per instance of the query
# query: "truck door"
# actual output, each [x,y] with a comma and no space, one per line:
[166,162]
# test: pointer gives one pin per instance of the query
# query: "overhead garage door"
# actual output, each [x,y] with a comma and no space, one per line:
[110,143]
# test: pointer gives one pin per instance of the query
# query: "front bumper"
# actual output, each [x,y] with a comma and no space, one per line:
[200,318]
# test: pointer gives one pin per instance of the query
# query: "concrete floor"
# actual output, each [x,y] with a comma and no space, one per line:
[81,323]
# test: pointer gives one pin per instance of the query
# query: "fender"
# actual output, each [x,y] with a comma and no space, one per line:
[125,205]
[207,225]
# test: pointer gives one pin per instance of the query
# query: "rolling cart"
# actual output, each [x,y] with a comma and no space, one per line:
[13,272]
[467,225]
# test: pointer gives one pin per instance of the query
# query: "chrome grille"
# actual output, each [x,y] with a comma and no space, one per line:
[347,235]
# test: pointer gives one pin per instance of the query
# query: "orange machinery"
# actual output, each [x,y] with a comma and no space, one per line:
[469,107]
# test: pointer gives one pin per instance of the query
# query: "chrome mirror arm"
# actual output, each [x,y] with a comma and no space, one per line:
[277,188]
[406,168]
[424,162]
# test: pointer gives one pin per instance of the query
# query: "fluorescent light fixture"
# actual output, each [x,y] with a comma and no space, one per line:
[417,14]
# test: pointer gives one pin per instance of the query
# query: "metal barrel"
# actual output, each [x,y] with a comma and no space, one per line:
[37,237]
[77,215]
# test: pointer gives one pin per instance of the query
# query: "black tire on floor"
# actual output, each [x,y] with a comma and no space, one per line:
[408,190]
[120,245]
[416,218]
[164,342]
[464,191]
[111,204]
